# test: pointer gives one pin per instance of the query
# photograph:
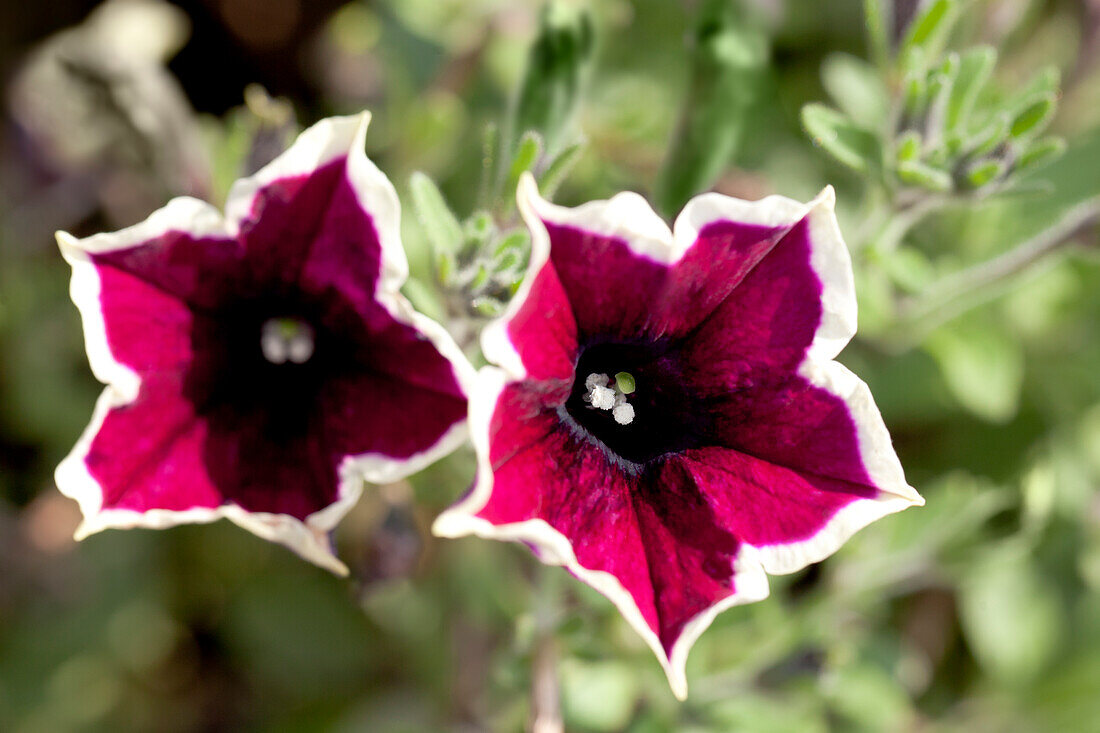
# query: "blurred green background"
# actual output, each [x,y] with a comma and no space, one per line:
[979,612]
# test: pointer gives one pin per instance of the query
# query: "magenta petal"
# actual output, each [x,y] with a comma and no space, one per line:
[770,318]
[543,330]
[377,413]
[203,272]
[311,232]
[745,449]
[148,454]
[765,504]
[618,292]
[792,423]
[652,531]
[260,367]
[148,328]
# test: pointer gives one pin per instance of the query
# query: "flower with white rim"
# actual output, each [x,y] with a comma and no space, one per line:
[751,451]
[260,366]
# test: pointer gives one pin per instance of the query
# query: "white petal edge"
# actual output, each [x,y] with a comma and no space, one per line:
[627,216]
[880,460]
[324,142]
[829,256]
[308,539]
[196,218]
[555,548]
[630,218]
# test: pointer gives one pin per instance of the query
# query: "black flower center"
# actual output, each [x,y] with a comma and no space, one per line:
[665,419]
[266,358]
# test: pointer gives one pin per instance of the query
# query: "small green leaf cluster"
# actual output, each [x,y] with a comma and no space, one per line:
[931,120]
[472,257]
[480,261]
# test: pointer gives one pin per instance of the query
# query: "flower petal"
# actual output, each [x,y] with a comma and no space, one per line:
[643,540]
[627,276]
[185,432]
[384,427]
[793,519]
[797,302]
[767,454]
[323,216]
[169,253]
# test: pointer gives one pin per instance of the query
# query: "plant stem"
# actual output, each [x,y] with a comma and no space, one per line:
[905,218]
[546,714]
[968,288]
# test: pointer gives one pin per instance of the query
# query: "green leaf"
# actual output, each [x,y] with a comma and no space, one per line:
[516,241]
[984,172]
[444,267]
[755,711]
[527,155]
[559,169]
[926,176]
[439,222]
[1047,80]
[857,89]
[941,84]
[1033,118]
[424,299]
[869,696]
[479,277]
[490,163]
[1039,153]
[975,67]
[913,62]
[557,67]
[915,98]
[729,58]
[1026,190]
[1011,614]
[909,268]
[930,28]
[874,15]
[479,228]
[982,366]
[989,138]
[909,146]
[841,138]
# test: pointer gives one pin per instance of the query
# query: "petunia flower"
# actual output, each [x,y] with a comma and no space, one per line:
[745,450]
[261,366]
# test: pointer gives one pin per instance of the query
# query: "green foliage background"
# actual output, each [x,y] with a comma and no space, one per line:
[978,612]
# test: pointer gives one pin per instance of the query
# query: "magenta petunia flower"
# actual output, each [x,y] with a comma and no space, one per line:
[261,366]
[667,420]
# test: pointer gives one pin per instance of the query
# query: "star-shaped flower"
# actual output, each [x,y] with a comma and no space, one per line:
[667,420]
[260,366]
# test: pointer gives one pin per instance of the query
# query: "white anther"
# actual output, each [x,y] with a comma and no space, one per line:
[274,347]
[623,413]
[285,339]
[596,380]
[300,348]
[603,398]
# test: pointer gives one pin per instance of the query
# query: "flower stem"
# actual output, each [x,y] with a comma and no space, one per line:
[546,714]
[545,690]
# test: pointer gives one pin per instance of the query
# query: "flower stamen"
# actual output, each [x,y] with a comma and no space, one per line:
[607,394]
[286,339]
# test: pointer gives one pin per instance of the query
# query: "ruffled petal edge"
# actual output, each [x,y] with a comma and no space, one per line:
[554,548]
[322,143]
[880,461]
